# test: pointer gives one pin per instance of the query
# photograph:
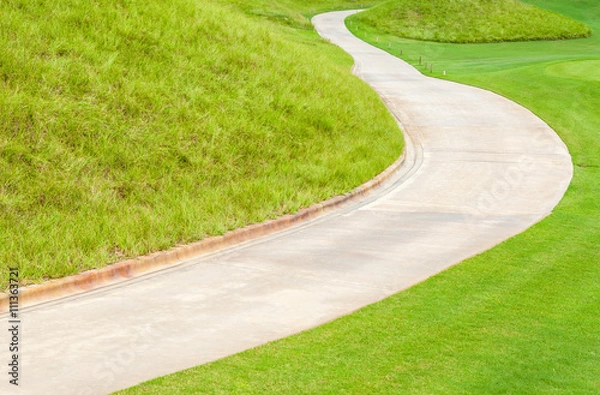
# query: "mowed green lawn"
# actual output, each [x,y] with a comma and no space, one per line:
[522,318]
[128,127]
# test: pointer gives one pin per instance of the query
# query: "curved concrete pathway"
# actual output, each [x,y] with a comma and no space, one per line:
[480,169]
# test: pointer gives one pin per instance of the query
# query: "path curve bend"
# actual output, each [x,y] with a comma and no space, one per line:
[484,169]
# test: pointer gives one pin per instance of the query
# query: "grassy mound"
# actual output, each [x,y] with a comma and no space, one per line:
[521,318]
[470,21]
[129,127]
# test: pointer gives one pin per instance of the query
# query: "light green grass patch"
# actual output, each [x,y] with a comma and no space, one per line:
[585,70]
[468,21]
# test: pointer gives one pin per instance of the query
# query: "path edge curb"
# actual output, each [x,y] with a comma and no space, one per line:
[134,267]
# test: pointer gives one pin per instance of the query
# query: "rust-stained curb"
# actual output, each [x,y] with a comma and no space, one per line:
[124,270]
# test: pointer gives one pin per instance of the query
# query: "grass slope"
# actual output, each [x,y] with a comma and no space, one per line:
[469,21]
[130,126]
[522,318]
[295,13]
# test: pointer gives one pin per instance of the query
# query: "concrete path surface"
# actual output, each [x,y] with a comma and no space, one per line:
[479,170]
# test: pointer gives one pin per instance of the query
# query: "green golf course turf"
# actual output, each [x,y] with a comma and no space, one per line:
[522,318]
[585,70]
[128,127]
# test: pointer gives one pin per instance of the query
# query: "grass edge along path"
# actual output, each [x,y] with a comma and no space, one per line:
[521,318]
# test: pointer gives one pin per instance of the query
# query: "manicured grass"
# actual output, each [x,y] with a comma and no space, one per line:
[469,21]
[586,70]
[522,318]
[130,127]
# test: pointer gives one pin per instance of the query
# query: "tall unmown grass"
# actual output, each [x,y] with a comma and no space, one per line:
[295,13]
[131,126]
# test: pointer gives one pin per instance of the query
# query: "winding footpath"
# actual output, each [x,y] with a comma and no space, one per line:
[478,169]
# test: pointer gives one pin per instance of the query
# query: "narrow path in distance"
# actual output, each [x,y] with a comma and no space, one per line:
[480,169]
